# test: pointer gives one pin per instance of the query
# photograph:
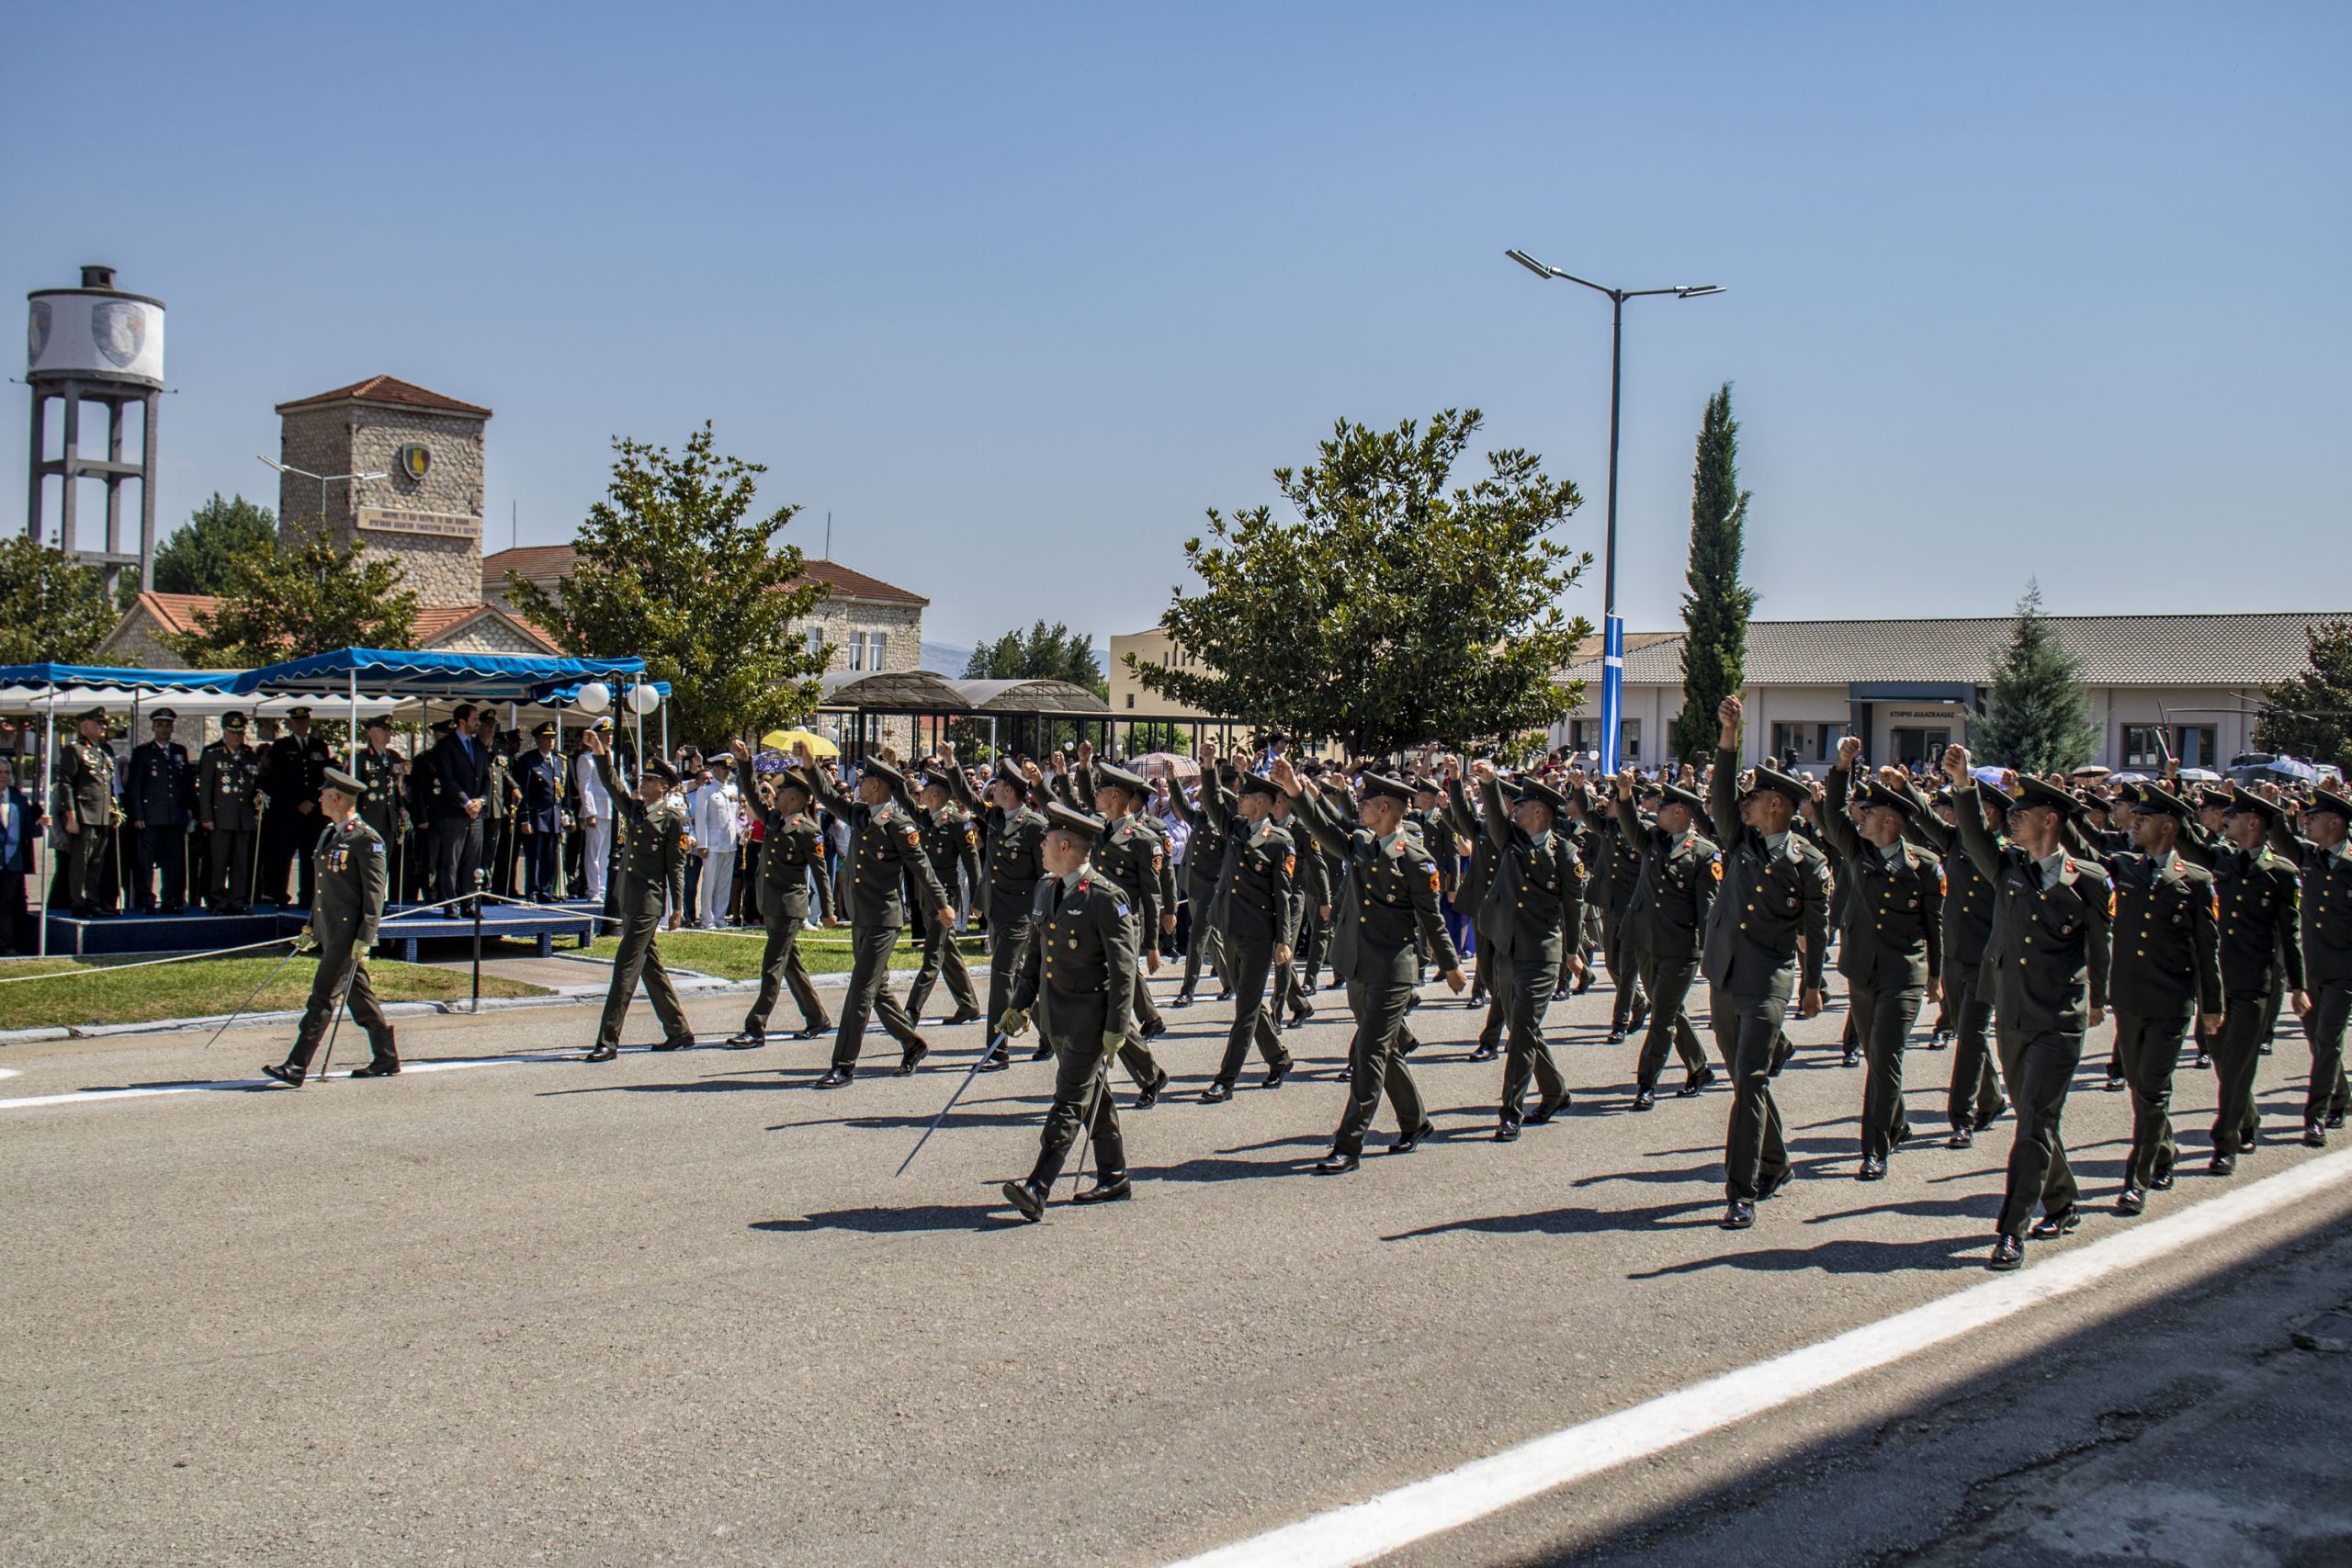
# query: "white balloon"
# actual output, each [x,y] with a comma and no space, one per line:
[595,697]
[644,698]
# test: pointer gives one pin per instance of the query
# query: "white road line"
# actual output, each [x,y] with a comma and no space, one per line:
[1363,1531]
[101,1095]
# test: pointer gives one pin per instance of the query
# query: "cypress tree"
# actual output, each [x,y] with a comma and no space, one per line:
[2036,718]
[1715,610]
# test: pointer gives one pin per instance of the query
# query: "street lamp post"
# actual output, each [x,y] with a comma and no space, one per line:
[1612,628]
[324,480]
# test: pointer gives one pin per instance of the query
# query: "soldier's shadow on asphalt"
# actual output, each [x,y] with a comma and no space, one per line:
[1848,1257]
[894,1222]
[1578,1222]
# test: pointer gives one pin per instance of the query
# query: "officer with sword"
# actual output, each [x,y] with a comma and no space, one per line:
[349,880]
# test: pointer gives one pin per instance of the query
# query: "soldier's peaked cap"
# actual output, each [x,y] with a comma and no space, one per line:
[2326,799]
[1258,784]
[883,771]
[233,721]
[662,770]
[1770,777]
[1070,820]
[163,715]
[298,713]
[545,729]
[98,713]
[1877,793]
[1119,778]
[1542,793]
[2156,797]
[1383,784]
[339,779]
[2246,800]
[1675,794]
[2032,791]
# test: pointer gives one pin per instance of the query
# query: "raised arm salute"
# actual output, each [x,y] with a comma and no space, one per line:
[649,847]
[885,850]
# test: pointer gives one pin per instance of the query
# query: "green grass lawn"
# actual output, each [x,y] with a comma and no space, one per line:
[97,993]
[737,957]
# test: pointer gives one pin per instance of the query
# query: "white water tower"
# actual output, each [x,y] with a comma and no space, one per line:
[95,344]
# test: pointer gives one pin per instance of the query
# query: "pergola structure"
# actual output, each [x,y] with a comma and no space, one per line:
[1016,716]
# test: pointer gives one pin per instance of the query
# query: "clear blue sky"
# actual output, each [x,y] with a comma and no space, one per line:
[1015,294]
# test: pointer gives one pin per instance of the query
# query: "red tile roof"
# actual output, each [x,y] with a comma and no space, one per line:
[545,563]
[178,614]
[387,389]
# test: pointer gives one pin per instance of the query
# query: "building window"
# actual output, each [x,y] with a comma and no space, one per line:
[2142,746]
[2196,744]
[865,650]
[1131,699]
[1628,741]
[874,646]
[857,651]
[816,639]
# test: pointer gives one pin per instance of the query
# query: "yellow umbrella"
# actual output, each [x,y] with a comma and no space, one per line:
[786,739]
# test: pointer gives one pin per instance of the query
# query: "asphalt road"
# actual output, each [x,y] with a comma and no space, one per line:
[676,1309]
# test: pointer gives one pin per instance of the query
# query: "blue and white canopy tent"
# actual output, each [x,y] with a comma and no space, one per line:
[588,685]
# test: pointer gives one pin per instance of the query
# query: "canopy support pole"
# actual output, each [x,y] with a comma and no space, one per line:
[354,742]
[41,809]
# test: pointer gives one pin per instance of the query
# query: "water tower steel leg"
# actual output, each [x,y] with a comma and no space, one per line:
[114,489]
[66,538]
[152,402]
[35,452]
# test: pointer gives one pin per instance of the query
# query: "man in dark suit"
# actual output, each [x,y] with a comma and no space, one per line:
[20,825]
[461,767]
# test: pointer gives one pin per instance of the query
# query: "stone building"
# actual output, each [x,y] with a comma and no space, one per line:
[870,625]
[425,512]
[140,639]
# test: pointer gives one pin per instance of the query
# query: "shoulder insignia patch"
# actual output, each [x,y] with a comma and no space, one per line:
[1716,867]
[2217,905]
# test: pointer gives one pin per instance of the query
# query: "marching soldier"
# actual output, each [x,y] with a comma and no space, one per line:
[2047,964]
[158,790]
[1672,898]
[1388,892]
[649,840]
[1617,871]
[1077,971]
[1132,854]
[951,838]
[86,783]
[1310,896]
[542,778]
[1765,938]
[349,879]
[1536,905]
[228,804]
[2325,857]
[885,849]
[1973,1101]
[1890,950]
[1470,891]
[791,846]
[1257,920]
[1015,832]
[2262,953]
[293,772]
[1204,875]
[2166,972]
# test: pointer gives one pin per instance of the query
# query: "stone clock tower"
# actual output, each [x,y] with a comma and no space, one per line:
[424,513]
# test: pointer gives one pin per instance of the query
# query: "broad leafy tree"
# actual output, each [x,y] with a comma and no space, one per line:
[289,598]
[1041,654]
[198,558]
[52,608]
[1392,607]
[2037,718]
[2309,715]
[675,566]
[1716,606]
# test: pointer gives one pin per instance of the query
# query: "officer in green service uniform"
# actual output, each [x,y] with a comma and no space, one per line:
[1673,895]
[1765,937]
[792,846]
[1533,911]
[383,772]
[1890,948]
[1078,972]
[951,838]
[649,838]
[2046,971]
[1132,853]
[1388,892]
[2325,856]
[86,780]
[1470,890]
[1204,875]
[228,808]
[2166,971]
[2262,956]
[885,850]
[348,880]
[1255,919]
[1015,833]
[1974,1100]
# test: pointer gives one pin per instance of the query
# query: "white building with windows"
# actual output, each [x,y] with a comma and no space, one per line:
[1906,687]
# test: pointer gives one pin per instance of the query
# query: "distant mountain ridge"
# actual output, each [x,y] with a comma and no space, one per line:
[946,658]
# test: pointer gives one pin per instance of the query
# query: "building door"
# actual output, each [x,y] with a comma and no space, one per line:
[1916,747]
[2194,744]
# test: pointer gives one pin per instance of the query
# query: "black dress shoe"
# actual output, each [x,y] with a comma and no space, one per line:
[1485,1052]
[994,1061]
[1583,983]
[1696,1081]
[2314,1135]
[677,1043]
[2052,1226]
[1546,1110]
[1042,1052]
[2200,1063]
[2114,1082]
[1874,1169]
[2220,1165]
[1111,1190]
[911,1056]
[1217,1093]
[1026,1197]
[1774,1186]
[814,1032]
[1853,1056]
[1345,1075]
[747,1040]
[962,1015]
[1181,999]
[1150,1096]
[1987,1118]
[1644,1098]
[2334,1120]
[1275,1075]
[1336,1164]
[290,1077]
[2130,1200]
[836,1076]
[2162,1181]
[1225,996]
[1407,1142]
[1154,1029]
[377,1070]
[2009,1252]
[1300,1015]
[1962,1137]
[1506,1132]
[1739,1215]
[602,1054]
[1616,1036]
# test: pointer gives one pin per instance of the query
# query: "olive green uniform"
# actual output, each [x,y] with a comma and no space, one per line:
[1133,856]
[885,853]
[2327,971]
[1257,911]
[2262,953]
[348,883]
[792,845]
[228,808]
[951,838]
[1535,906]
[1077,971]
[1889,948]
[1015,865]
[2167,968]
[649,850]
[85,777]
[1673,894]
